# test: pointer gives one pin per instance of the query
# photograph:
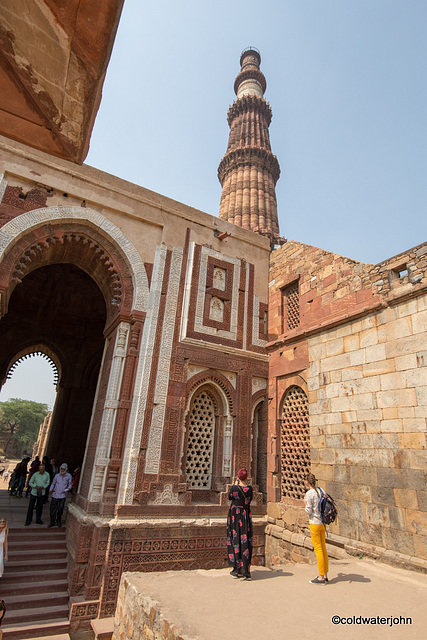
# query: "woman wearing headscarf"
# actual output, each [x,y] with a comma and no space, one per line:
[239,527]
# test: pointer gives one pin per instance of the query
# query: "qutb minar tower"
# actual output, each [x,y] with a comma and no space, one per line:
[249,171]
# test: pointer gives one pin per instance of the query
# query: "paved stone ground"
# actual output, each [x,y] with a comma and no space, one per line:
[281,604]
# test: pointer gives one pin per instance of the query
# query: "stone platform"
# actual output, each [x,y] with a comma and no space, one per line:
[276,604]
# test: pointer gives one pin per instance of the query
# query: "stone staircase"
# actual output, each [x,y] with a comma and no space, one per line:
[34,584]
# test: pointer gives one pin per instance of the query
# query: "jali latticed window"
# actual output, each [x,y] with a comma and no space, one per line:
[295,443]
[290,306]
[200,442]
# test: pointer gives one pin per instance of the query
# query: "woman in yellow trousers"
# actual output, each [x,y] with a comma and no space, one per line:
[317,529]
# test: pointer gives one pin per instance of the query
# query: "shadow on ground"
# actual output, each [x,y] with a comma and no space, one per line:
[348,577]
[258,575]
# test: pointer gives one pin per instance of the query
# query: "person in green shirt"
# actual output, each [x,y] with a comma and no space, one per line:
[39,483]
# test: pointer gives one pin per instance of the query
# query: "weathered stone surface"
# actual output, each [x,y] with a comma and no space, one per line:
[55,59]
[383,495]
[368,399]
[422,500]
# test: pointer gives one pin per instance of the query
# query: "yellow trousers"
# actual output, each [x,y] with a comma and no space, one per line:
[317,532]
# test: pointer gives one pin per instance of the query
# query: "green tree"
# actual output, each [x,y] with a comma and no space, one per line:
[20,420]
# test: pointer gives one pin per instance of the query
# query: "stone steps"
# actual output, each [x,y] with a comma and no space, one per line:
[57,629]
[48,565]
[28,545]
[37,585]
[53,599]
[27,577]
[35,614]
[34,585]
[33,555]
[62,636]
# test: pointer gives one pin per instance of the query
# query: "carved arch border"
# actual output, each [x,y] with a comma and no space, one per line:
[23,232]
[211,376]
[50,353]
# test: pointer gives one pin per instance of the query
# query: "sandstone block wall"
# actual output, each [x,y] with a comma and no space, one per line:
[138,617]
[367,384]
[356,346]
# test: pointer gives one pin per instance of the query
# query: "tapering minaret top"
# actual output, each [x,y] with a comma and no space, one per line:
[249,171]
[251,80]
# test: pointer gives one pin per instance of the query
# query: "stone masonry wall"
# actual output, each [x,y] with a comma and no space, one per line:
[367,384]
[356,346]
[138,617]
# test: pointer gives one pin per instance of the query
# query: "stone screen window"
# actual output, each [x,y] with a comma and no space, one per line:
[295,443]
[200,442]
[290,306]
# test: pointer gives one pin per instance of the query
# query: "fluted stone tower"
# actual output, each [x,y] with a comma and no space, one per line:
[249,171]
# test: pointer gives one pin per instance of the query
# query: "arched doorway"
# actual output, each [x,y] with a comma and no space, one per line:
[70,282]
[61,307]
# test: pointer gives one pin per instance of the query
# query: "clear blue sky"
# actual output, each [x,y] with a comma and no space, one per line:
[347,83]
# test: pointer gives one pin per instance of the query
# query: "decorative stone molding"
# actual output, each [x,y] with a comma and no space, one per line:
[193,369]
[109,413]
[167,496]
[33,257]
[152,464]
[216,311]
[136,420]
[259,383]
[199,324]
[13,230]
[217,379]
[3,185]
[227,447]
[256,340]
[230,375]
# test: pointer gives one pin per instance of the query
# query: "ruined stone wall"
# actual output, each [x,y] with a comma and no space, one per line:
[358,352]
[139,617]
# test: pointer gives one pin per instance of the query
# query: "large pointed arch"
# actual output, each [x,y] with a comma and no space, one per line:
[79,244]
[78,235]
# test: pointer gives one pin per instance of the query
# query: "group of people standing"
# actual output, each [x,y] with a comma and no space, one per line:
[240,530]
[42,486]
[43,479]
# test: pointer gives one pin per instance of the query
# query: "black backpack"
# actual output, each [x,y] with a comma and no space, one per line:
[327,508]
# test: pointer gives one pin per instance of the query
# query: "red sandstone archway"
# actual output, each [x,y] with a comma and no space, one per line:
[61,306]
[64,285]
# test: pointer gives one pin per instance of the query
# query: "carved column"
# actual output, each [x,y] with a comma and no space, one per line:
[109,413]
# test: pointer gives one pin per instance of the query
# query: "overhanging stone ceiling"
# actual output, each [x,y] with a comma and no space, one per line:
[53,59]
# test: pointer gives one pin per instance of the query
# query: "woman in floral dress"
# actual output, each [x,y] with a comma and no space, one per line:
[239,527]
